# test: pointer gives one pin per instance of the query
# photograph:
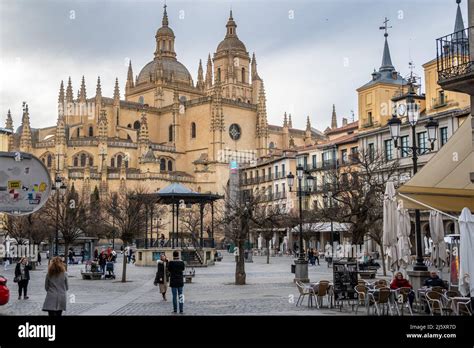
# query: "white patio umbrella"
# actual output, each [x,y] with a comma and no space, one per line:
[403,234]
[438,254]
[466,255]
[390,225]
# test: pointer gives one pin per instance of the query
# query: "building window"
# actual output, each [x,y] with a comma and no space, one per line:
[272,145]
[404,146]
[243,75]
[78,132]
[76,164]
[443,135]
[91,131]
[119,161]
[112,162]
[305,162]
[354,153]
[136,125]
[283,172]
[91,161]
[344,156]
[170,133]
[141,100]
[83,160]
[276,172]
[371,151]
[218,74]
[314,160]
[49,161]
[422,138]
[162,164]
[170,166]
[388,150]
[369,118]
[193,130]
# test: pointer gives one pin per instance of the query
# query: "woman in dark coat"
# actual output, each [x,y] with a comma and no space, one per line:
[162,275]
[102,262]
[56,287]
[22,274]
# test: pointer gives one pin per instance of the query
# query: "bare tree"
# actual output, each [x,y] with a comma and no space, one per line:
[267,220]
[69,216]
[124,212]
[357,192]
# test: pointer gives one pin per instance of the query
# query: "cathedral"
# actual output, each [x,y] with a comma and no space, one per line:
[167,127]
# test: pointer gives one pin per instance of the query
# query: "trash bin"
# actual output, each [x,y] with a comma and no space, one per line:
[293,268]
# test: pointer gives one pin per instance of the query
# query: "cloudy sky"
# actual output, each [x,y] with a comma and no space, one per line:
[310,53]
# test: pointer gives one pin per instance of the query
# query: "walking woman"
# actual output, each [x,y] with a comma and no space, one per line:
[56,287]
[22,276]
[162,275]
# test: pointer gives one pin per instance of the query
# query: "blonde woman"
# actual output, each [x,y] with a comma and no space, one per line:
[162,275]
[56,287]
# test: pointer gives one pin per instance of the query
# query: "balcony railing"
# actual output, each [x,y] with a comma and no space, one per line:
[455,64]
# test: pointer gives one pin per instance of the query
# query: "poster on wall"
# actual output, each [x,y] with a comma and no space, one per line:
[25,183]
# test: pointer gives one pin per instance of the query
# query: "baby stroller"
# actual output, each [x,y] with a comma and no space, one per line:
[109,268]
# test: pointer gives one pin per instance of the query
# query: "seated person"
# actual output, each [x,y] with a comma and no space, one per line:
[434,280]
[400,282]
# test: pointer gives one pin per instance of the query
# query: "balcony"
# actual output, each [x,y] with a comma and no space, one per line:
[455,63]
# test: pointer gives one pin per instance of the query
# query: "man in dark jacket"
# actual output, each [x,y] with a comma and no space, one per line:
[434,280]
[176,268]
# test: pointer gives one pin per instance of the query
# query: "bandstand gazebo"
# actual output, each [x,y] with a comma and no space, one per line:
[200,252]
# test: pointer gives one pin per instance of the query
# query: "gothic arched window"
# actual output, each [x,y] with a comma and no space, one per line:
[76,162]
[83,160]
[170,166]
[170,133]
[119,161]
[193,130]
[91,131]
[112,162]
[136,125]
[162,164]
[49,161]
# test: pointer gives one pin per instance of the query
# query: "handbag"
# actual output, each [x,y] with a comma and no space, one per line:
[16,279]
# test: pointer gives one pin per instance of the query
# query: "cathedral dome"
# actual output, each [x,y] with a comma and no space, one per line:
[231,43]
[170,67]
[165,31]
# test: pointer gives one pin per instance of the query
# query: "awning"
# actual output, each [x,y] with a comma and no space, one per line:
[444,183]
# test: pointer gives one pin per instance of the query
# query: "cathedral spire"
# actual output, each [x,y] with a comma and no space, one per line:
[69,93]
[262,125]
[165,39]
[129,83]
[116,91]
[209,72]
[82,92]
[143,137]
[285,120]
[61,93]
[98,90]
[333,117]
[200,79]
[308,124]
[254,69]
[290,123]
[9,121]
[25,135]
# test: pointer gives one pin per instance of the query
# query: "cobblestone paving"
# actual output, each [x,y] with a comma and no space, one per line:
[269,291]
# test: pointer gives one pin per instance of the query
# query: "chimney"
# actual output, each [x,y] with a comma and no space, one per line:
[344,121]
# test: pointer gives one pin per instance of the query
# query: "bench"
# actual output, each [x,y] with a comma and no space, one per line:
[189,275]
[369,274]
[91,275]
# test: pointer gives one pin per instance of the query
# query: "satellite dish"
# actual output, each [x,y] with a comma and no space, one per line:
[25,183]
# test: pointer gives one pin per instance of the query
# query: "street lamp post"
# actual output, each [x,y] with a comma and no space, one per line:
[394,124]
[301,269]
[60,189]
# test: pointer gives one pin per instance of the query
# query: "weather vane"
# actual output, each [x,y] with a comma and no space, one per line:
[385,26]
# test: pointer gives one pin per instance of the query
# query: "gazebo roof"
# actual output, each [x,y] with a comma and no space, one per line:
[175,192]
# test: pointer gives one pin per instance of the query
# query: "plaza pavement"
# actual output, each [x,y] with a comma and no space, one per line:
[269,291]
